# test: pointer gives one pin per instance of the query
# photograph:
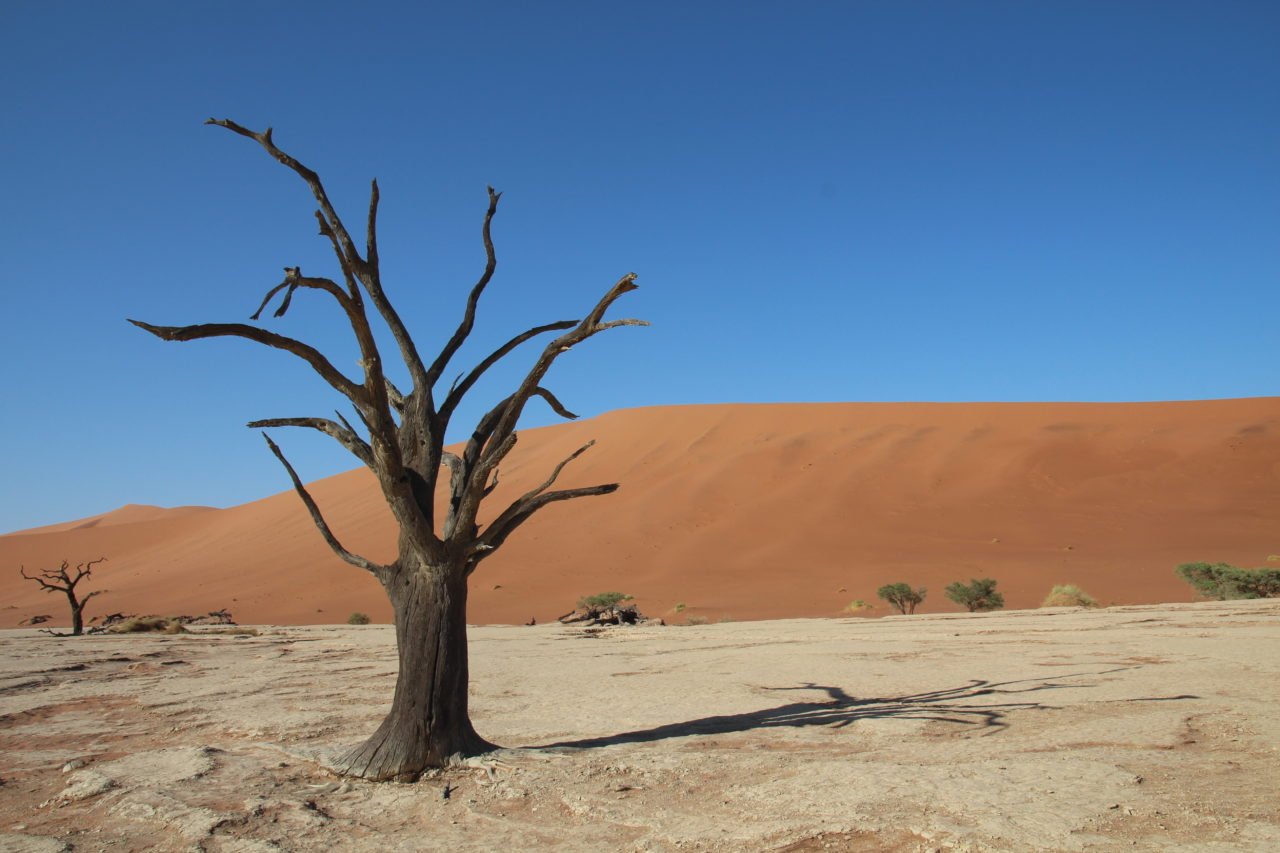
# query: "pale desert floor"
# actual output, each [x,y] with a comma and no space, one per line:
[1144,727]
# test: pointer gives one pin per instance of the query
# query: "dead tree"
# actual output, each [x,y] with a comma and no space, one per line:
[61,580]
[400,438]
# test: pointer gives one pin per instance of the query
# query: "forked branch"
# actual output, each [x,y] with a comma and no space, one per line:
[464,384]
[518,506]
[364,269]
[293,279]
[497,533]
[513,407]
[480,438]
[342,433]
[494,436]
[49,578]
[312,180]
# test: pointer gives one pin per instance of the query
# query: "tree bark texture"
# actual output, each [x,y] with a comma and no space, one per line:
[429,720]
[77,613]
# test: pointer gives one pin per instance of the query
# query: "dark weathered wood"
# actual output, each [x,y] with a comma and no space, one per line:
[61,580]
[403,444]
[429,721]
[310,355]
[343,433]
[464,383]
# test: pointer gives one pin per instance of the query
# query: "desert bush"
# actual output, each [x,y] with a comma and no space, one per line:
[358,618]
[680,605]
[602,600]
[696,620]
[1223,581]
[857,606]
[976,595]
[1068,595]
[902,596]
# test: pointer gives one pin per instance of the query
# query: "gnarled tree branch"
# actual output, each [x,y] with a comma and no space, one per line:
[310,355]
[331,225]
[293,279]
[376,569]
[473,299]
[496,534]
[341,433]
[311,178]
[48,577]
[482,456]
[349,274]
[371,233]
[513,407]
[464,383]
[480,438]
[526,503]
[394,396]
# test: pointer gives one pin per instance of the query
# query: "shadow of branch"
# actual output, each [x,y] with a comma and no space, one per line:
[967,704]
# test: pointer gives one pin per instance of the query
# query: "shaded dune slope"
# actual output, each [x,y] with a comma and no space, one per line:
[749,512]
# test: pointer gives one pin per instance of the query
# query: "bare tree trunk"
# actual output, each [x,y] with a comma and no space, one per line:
[429,721]
[77,613]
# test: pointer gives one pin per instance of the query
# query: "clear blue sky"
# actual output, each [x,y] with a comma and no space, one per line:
[824,202]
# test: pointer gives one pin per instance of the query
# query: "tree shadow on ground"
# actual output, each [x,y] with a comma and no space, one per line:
[952,705]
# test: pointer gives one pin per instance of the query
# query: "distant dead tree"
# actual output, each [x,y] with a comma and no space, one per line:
[401,440]
[62,580]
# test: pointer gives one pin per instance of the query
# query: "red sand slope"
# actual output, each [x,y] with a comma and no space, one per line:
[127,514]
[750,512]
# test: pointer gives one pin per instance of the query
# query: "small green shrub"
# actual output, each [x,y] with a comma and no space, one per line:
[902,596]
[857,606]
[976,595]
[603,600]
[358,618]
[1068,595]
[1224,582]
[680,605]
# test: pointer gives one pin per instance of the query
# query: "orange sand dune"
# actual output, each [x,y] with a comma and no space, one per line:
[750,512]
[127,514]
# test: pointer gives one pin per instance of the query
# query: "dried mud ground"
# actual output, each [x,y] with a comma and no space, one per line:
[1148,728]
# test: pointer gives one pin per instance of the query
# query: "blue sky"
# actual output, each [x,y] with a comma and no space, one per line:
[824,202]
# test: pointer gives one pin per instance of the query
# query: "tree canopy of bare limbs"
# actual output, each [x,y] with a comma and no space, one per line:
[400,438]
[64,581]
